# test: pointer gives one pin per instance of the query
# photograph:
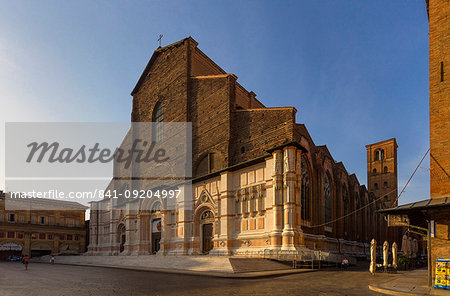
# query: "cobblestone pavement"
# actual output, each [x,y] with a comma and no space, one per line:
[48,280]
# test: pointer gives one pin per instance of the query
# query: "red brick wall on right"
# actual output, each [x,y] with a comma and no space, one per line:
[439,34]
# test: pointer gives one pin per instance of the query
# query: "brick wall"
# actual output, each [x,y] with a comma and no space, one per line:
[439,34]
[256,130]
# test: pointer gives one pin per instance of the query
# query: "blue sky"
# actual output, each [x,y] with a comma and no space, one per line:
[357,71]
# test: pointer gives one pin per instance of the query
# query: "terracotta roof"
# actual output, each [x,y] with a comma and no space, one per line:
[42,204]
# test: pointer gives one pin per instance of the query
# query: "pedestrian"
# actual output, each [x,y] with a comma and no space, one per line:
[25,261]
[52,259]
[345,263]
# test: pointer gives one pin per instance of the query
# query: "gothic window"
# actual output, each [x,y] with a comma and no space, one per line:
[260,195]
[306,191]
[253,200]
[237,205]
[327,198]
[377,155]
[374,172]
[205,165]
[346,205]
[385,169]
[244,202]
[157,118]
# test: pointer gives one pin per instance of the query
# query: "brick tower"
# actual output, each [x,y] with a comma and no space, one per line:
[439,32]
[382,171]
[382,182]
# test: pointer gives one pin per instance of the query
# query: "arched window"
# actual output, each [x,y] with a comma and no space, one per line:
[385,169]
[346,205]
[374,172]
[382,154]
[157,118]
[327,198]
[306,191]
[377,155]
[206,165]
[385,184]
[358,217]
[376,186]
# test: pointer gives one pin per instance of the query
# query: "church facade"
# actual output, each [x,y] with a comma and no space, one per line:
[260,184]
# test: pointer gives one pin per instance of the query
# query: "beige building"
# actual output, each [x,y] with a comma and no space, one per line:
[42,232]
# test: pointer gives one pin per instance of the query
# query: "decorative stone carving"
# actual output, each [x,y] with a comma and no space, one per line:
[207,215]
[205,198]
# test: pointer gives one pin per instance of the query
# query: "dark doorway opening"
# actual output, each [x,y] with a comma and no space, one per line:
[156,235]
[39,253]
[207,236]
[156,238]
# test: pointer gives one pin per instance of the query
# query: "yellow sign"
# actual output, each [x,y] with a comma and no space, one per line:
[398,220]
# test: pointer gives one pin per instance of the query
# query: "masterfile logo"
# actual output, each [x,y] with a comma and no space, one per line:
[81,160]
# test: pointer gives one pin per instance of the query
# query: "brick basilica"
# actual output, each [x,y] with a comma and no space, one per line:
[260,183]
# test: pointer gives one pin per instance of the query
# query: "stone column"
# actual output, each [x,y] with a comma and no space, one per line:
[226,213]
[299,239]
[185,207]
[277,208]
[55,248]
[130,227]
[93,228]
[165,232]
[144,242]
[290,179]
[114,240]
[27,244]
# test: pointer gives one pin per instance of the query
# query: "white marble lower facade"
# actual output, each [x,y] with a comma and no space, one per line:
[252,210]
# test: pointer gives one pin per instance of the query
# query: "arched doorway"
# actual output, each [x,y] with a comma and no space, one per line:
[206,228]
[122,237]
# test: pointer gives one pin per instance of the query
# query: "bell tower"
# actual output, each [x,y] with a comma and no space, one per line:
[382,171]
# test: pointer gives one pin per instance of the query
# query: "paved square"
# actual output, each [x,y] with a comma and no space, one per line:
[49,280]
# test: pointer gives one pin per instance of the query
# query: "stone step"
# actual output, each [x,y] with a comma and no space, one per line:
[255,264]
